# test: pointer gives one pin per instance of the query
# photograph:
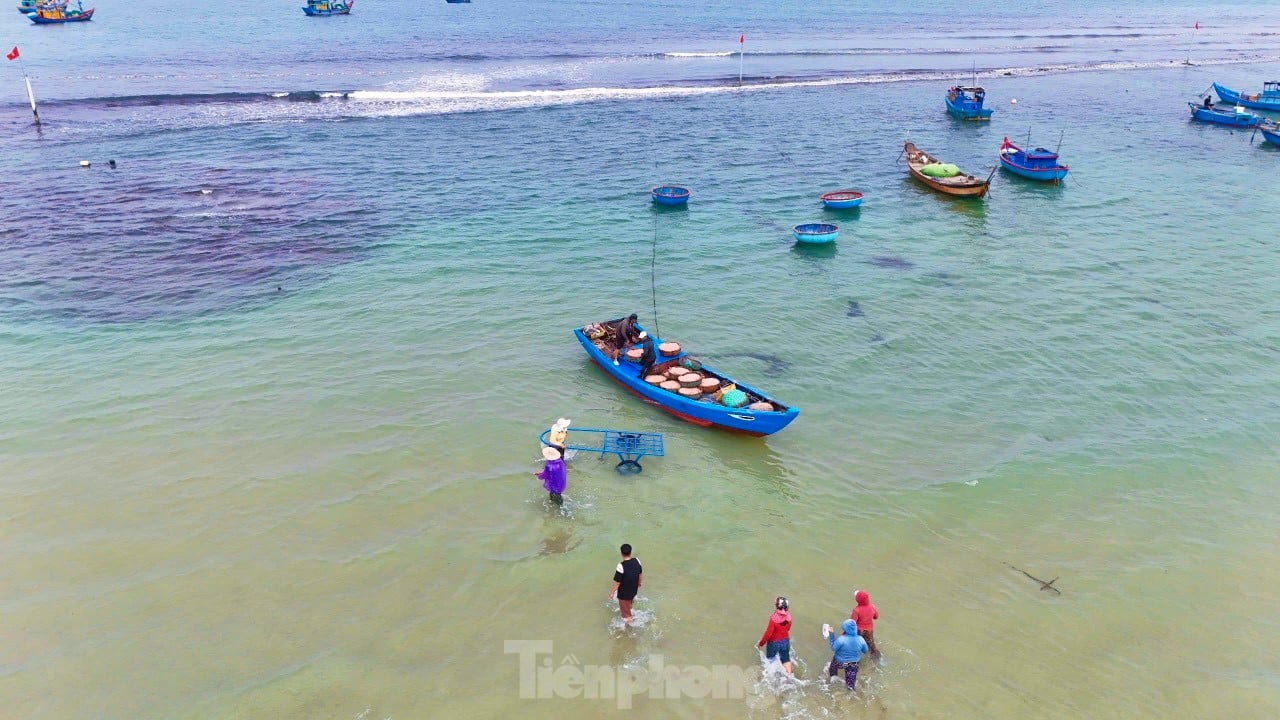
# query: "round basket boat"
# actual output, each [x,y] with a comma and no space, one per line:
[690,380]
[816,233]
[634,355]
[669,349]
[692,393]
[670,385]
[842,199]
[655,379]
[709,385]
[670,195]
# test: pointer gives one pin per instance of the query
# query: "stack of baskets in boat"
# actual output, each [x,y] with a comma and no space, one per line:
[695,385]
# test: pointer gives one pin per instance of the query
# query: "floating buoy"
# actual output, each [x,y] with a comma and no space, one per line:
[206,191]
[84,163]
[1013,101]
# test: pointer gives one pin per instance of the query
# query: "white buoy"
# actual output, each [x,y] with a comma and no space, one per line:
[84,163]
[206,191]
[1013,101]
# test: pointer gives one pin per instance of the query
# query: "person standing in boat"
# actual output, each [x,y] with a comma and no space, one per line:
[625,335]
[648,356]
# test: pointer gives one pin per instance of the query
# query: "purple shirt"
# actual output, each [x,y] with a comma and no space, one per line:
[553,476]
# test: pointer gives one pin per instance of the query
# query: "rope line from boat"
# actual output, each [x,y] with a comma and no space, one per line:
[653,277]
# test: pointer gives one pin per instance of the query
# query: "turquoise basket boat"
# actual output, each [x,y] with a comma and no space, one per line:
[842,199]
[816,233]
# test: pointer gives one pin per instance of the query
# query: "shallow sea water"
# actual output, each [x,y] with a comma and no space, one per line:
[267,451]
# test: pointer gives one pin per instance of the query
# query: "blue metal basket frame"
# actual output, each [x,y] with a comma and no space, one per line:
[628,445]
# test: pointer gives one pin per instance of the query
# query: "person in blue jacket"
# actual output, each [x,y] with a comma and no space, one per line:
[849,649]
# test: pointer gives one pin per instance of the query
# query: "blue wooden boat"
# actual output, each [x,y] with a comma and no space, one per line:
[1270,133]
[457,1]
[317,8]
[1038,164]
[704,412]
[670,195]
[842,199]
[816,233]
[965,103]
[26,7]
[48,13]
[1238,117]
[1268,99]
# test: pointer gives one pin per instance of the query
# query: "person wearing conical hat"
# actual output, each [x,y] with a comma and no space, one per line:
[553,476]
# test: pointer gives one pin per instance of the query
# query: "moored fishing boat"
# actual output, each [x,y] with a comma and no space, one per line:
[670,195]
[816,233]
[26,7]
[842,199]
[710,400]
[1237,117]
[945,178]
[1268,99]
[317,8]
[49,13]
[966,103]
[1038,164]
[1270,133]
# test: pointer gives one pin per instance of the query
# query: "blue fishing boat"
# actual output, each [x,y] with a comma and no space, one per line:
[1038,164]
[965,103]
[1268,99]
[316,8]
[457,1]
[50,13]
[26,7]
[1270,133]
[816,233]
[670,195]
[841,199]
[1238,117]
[750,411]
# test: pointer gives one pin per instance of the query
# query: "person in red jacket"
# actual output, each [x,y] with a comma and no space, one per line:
[864,613]
[777,636]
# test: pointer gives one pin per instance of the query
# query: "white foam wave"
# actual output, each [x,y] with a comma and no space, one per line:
[726,53]
[439,101]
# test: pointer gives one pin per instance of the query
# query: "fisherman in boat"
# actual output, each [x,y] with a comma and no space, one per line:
[1208,102]
[625,335]
[647,355]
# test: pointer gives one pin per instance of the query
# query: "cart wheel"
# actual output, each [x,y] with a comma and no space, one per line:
[629,466]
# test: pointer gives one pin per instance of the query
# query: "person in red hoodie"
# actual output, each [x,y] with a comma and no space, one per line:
[777,636]
[864,613]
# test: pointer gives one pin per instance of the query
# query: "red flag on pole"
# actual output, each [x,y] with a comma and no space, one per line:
[741,39]
[12,54]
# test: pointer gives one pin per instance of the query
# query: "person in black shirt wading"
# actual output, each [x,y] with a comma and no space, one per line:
[627,578]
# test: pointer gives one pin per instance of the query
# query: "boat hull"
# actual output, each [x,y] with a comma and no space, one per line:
[1055,175]
[1200,113]
[670,195]
[82,17]
[970,186]
[702,414]
[839,200]
[967,109]
[343,10]
[1271,136]
[1250,101]
[1041,166]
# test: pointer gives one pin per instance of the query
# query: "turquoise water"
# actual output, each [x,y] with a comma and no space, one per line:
[267,451]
